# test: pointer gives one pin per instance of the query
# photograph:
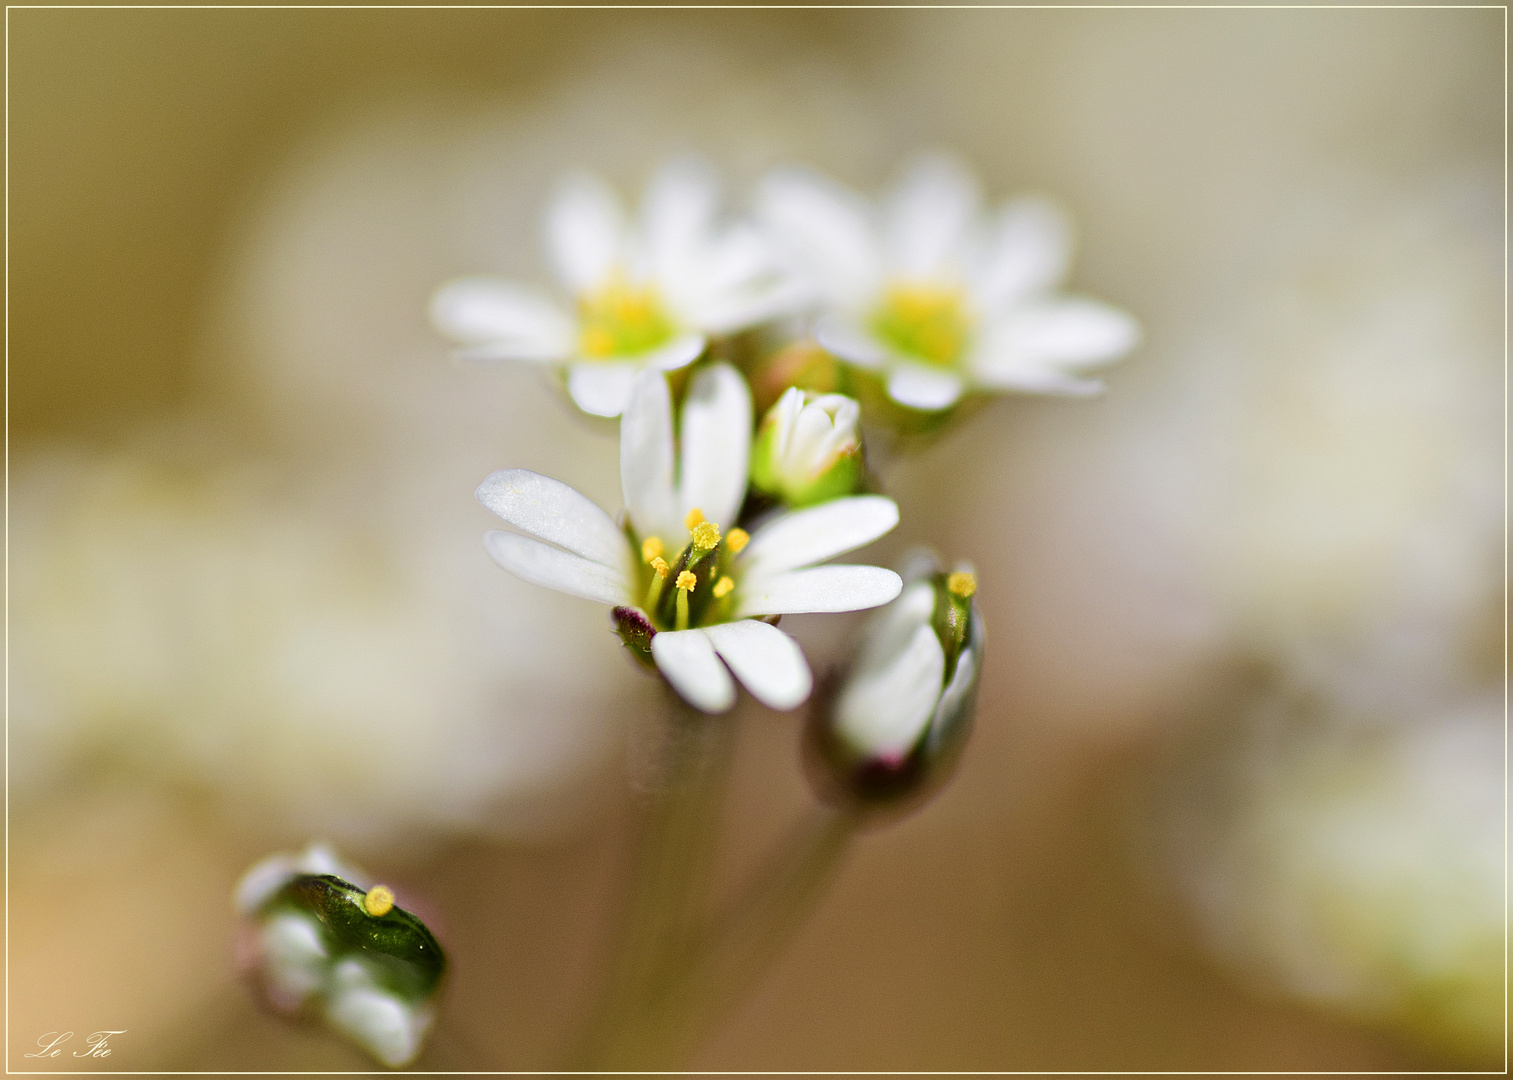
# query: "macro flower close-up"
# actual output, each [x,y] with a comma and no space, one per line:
[1002,513]
[645,293]
[938,297]
[689,587]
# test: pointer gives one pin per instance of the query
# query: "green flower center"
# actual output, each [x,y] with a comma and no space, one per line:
[622,319]
[924,321]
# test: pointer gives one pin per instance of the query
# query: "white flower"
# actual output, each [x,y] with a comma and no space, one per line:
[907,701]
[319,941]
[645,295]
[696,586]
[933,296]
[808,448]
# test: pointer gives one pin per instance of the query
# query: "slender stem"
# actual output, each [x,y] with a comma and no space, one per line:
[733,953]
[679,825]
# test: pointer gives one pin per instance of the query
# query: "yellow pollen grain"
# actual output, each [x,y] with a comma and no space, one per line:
[705,535]
[695,518]
[736,539]
[686,580]
[379,900]
[659,566]
[961,584]
[723,586]
[651,548]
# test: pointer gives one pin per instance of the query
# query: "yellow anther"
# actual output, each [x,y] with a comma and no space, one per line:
[651,547]
[961,584]
[379,900]
[659,566]
[705,535]
[735,540]
[694,519]
[686,580]
[723,586]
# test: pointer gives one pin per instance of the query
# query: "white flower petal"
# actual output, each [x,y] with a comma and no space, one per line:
[678,212]
[679,352]
[687,659]
[482,311]
[585,228]
[883,710]
[766,660]
[495,351]
[716,444]
[646,458]
[849,341]
[377,1019]
[601,387]
[1026,251]
[923,388]
[541,564]
[552,511]
[826,229]
[927,216]
[1070,333]
[820,588]
[804,537]
[948,711]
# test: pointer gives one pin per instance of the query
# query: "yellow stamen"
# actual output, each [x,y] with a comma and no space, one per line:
[723,586]
[735,540]
[961,584]
[695,517]
[706,534]
[659,566]
[651,547]
[686,580]
[379,900]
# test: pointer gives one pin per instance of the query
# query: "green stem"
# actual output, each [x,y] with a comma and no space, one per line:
[733,954]
[670,879]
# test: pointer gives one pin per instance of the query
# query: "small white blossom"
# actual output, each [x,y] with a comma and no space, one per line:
[694,587]
[645,294]
[935,297]
[808,448]
[907,701]
[319,941]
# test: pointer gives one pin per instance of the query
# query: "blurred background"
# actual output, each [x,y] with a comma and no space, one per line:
[1235,797]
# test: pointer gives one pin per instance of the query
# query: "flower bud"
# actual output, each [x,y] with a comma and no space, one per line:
[894,726]
[318,943]
[809,448]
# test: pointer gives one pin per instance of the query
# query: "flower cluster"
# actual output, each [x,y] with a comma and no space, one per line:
[838,317]
[926,294]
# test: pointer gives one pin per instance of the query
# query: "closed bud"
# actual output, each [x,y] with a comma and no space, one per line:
[318,941]
[809,448]
[894,725]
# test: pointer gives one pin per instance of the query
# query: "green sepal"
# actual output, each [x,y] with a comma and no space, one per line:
[402,955]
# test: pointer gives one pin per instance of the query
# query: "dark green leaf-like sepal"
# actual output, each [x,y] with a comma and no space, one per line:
[400,952]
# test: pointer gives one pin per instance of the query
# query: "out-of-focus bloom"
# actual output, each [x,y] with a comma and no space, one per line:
[933,298]
[809,448]
[645,295]
[905,706]
[688,589]
[1356,865]
[277,653]
[319,942]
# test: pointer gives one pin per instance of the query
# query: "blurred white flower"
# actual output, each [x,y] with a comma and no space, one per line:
[808,448]
[935,299]
[706,603]
[648,295]
[1359,866]
[317,938]
[197,626]
[905,707]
